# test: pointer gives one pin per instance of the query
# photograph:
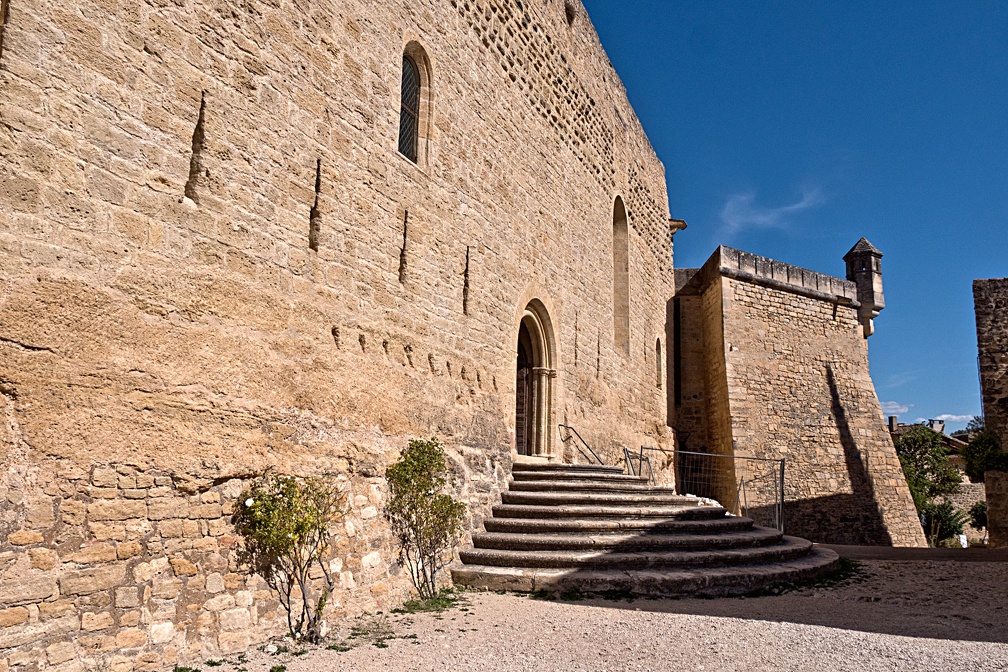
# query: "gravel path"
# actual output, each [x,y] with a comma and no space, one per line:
[892,616]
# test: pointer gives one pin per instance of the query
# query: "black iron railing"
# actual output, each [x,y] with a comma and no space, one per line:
[745,486]
[573,438]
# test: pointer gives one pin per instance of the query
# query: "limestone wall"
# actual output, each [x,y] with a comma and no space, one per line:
[797,385]
[990,301]
[162,314]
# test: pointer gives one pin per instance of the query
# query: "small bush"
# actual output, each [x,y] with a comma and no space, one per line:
[941,521]
[284,522]
[426,521]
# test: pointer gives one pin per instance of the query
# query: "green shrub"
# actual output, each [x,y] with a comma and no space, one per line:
[426,521]
[284,523]
[978,515]
[941,521]
[982,454]
[926,466]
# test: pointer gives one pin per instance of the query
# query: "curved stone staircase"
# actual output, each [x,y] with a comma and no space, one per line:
[594,529]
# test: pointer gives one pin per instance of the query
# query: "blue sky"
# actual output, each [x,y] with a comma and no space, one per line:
[791,129]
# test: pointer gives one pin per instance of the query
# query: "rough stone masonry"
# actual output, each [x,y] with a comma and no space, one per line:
[214,259]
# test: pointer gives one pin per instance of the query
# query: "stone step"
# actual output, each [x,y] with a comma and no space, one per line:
[701,581]
[569,475]
[627,542]
[724,524]
[554,467]
[662,497]
[586,485]
[788,548]
[670,512]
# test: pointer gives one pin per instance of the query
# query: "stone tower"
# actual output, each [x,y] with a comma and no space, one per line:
[864,268]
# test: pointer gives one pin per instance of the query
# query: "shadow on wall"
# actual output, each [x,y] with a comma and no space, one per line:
[852,518]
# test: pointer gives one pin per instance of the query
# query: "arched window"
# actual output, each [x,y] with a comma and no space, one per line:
[415,104]
[409,111]
[621,278]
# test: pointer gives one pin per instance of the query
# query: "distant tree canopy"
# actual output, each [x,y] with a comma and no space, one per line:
[928,471]
[983,452]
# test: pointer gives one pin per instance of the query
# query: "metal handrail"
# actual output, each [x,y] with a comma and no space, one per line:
[574,433]
[741,490]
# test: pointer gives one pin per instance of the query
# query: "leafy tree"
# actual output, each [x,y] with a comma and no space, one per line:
[941,521]
[284,522]
[926,466]
[983,453]
[426,521]
[978,515]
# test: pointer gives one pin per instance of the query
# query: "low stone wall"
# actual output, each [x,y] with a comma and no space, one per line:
[122,568]
[996,487]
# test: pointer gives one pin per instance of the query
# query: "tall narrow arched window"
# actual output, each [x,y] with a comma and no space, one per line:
[621,278]
[409,111]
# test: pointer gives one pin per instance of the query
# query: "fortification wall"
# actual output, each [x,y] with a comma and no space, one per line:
[990,302]
[797,384]
[162,315]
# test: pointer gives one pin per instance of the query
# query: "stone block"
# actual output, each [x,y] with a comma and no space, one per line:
[100,621]
[162,633]
[215,583]
[104,477]
[13,616]
[131,638]
[35,632]
[127,597]
[25,538]
[183,567]
[167,588]
[60,652]
[163,508]
[128,549]
[116,509]
[73,511]
[43,558]
[92,580]
[170,529]
[26,589]
[93,554]
[130,619]
[235,619]
[220,602]
[56,609]
[232,642]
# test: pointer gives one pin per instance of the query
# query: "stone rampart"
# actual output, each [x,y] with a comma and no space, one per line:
[990,302]
[214,260]
[795,383]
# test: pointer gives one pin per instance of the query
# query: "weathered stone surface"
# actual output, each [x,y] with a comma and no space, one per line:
[235,619]
[13,616]
[43,558]
[774,364]
[27,589]
[162,632]
[996,490]
[35,632]
[93,553]
[92,580]
[183,567]
[25,538]
[60,652]
[116,509]
[990,304]
[99,621]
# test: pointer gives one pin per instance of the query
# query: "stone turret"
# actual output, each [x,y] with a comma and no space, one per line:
[864,268]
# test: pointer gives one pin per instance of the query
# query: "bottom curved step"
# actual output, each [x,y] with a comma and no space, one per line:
[701,581]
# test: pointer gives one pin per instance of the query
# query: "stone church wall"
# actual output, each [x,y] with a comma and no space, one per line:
[167,331]
[796,382]
[990,302]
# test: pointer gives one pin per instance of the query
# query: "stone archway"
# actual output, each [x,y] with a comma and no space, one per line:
[534,383]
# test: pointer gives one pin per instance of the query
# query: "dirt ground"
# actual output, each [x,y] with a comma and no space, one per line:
[885,616]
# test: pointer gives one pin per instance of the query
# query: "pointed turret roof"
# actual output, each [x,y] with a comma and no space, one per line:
[861,247]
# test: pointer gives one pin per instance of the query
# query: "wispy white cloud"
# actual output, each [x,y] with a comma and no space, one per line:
[953,418]
[894,408]
[741,212]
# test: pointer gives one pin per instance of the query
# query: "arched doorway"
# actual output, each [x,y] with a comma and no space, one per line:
[534,383]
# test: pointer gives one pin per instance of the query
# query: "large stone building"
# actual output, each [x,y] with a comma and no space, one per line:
[243,235]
